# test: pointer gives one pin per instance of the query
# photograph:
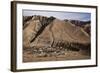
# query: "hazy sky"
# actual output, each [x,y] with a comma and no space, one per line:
[60,15]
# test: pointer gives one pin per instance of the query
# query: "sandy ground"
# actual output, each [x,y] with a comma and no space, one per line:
[28,56]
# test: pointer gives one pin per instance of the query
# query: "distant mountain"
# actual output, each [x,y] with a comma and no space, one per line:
[84,24]
[43,31]
[78,22]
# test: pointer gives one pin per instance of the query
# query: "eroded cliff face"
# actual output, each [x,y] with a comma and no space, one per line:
[33,28]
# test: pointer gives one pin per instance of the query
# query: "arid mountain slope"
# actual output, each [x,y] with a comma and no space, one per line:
[42,31]
[83,24]
[33,27]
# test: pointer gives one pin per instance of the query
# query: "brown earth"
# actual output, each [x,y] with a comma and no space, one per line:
[58,35]
[28,56]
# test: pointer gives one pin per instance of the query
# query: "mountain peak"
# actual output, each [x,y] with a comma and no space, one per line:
[48,30]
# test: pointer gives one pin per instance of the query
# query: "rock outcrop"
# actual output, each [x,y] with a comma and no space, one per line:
[34,27]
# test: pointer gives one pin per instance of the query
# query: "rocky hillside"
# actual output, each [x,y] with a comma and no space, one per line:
[83,24]
[41,31]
